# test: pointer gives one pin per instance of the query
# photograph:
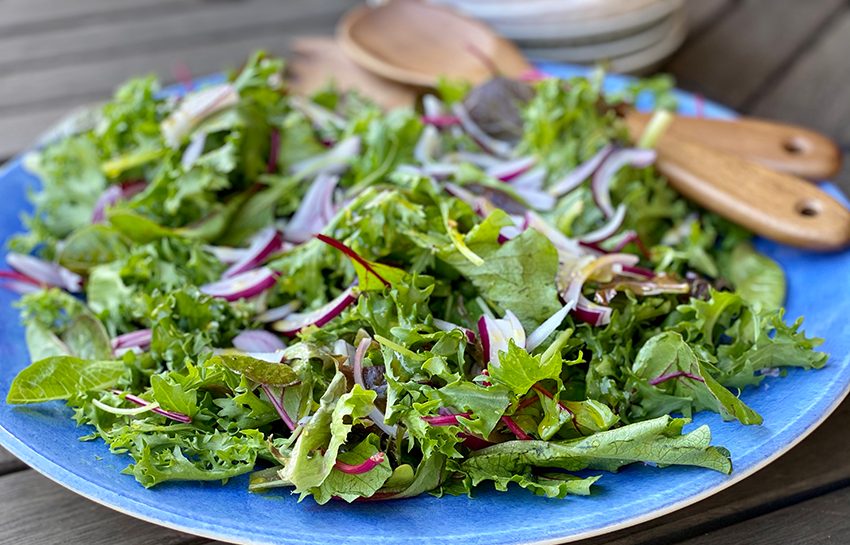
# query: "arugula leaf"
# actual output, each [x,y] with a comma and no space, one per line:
[63,377]
[519,370]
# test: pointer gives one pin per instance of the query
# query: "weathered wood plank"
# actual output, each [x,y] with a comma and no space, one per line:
[818,464]
[817,521]
[816,90]
[34,16]
[732,59]
[208,23]
[34,509]
[73,83]
[8,463]
[704,13]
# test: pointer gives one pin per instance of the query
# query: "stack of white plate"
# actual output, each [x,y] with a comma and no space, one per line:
[624,35]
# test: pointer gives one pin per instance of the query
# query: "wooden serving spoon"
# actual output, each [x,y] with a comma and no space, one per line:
[416,43]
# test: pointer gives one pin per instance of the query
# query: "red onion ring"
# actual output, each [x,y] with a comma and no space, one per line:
[265,243]
[292,324]
[243,285]
[604,175]
[581,173]
[258,340]
[45,272]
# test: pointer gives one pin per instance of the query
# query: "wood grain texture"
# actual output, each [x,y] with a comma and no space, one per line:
[160,30]
[8,463]
[733,59]
[822,520]
[817,465]
[35,510]
[792,149]
[704,13]
[80,81]
[42,16]
[815,90]
[768,203]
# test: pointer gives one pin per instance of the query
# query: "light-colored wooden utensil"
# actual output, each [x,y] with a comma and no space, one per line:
[417,43]
[779,146]
[317,61]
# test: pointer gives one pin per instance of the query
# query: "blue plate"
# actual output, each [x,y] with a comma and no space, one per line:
[44,437]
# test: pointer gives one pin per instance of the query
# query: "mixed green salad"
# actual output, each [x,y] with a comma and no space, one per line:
[357,304]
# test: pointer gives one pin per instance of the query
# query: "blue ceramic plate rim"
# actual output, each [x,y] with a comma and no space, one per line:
[506,518]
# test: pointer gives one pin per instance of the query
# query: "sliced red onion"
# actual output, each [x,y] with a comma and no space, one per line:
[258,340]
[334,161]
[428,146]
[194,150]
[292,324]
[440,171]
[531,180]
[548,327]
[322,118]
[440,121]
[562,242]
[583,271]
[581,173]
[227,254]
[134,339]
[487,142]
[639,272]
[538,200]
[274,150]
[114,194]
[443,325]
[508,232]
[479,204]
[508,170]
[271,357]
[432,106]
[608,230]
[193,108]
[243,285]
[45,272]
[315,211]
[278,313]
[265,243]
[604,175]
[481,160]
[589,312]
[496,333]
[179,417]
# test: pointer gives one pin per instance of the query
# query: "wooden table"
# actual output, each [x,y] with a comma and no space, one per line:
[784,59]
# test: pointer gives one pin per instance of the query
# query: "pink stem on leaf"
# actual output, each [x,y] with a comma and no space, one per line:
[365,466]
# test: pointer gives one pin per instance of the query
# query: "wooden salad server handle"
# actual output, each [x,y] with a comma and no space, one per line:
[779,146]
[769,203]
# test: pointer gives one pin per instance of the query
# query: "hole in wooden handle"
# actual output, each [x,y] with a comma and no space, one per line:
[808,207]
[796,145]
